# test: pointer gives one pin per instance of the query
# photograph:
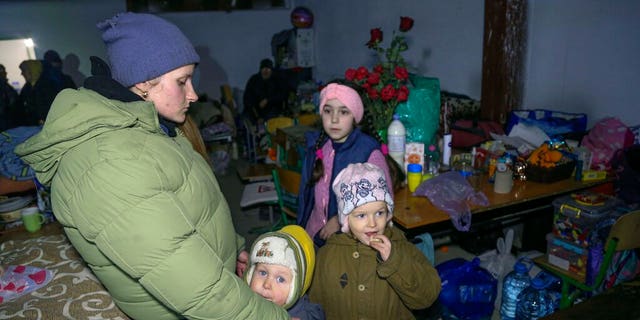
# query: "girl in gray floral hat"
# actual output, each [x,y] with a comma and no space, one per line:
[370,270]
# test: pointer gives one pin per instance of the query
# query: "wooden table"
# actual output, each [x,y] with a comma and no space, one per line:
[414,212]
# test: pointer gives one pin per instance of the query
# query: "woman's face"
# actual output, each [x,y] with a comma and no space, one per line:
[173,92]
[337,120]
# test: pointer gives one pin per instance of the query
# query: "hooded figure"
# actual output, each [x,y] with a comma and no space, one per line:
[36,95]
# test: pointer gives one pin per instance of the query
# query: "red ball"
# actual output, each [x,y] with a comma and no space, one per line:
[301,17]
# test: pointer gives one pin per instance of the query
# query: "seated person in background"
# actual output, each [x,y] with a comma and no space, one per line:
[370,270]
[36,95]
[8,99]
[280,269]
[264,94]
[53,70]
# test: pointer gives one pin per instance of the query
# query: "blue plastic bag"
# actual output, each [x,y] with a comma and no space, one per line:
[468,290]
[551,122]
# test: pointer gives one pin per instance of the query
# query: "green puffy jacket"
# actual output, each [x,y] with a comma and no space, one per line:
[144,210]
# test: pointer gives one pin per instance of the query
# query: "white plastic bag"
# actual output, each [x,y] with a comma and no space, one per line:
[499,261]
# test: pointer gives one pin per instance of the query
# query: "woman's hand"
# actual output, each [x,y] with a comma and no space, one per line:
[382,244]
[330,228]
[241,263]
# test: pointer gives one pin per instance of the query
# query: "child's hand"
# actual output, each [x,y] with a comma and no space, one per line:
[382,244]
[241,263]
[330,228]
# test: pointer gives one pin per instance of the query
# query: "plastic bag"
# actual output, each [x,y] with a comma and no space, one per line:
[452,193]
[420,114]
[499,262]
[19,280]
[551,122]
[605,138]
[468,290]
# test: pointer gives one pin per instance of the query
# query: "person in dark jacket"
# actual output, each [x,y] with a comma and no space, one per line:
[52,65]
[264,94]
[36,95]
[8,99]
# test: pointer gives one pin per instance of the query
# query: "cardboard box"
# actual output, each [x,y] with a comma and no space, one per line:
[413,153]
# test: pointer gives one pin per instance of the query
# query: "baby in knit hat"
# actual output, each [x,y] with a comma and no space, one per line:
[281,266]
[370,270]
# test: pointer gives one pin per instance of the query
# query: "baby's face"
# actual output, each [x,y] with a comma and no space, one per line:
[272,281]
[368,220]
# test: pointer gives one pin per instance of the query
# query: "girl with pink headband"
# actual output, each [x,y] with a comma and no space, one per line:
[339,144]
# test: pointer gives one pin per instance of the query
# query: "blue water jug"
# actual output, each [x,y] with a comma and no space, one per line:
[514,283]
[534,302]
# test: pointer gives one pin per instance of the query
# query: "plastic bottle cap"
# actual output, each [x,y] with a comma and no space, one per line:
[414,167]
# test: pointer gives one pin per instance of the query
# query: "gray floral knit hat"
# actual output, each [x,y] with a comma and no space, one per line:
[358,184]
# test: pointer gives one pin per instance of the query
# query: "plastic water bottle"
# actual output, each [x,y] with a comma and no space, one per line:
[534,302]
[431,162]
[514,283]
[396,138]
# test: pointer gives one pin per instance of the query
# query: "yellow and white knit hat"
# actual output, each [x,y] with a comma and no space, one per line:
[291,247]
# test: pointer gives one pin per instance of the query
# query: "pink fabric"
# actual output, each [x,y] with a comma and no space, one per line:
[346,95]
[359,184]
[318,217]
[605,138]
[384,148]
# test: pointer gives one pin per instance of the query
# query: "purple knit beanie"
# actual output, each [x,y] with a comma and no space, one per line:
[142,47]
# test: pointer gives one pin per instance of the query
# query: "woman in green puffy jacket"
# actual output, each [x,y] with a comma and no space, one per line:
[138,203]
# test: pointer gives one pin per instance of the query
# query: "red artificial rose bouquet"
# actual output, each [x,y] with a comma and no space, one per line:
[385,84]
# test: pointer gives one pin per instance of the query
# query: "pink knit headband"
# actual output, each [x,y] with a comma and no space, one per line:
[349,97]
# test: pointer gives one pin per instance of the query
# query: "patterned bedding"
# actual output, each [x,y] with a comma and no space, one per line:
[74,292]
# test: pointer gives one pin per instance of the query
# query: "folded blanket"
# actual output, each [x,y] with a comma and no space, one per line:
[11,166]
